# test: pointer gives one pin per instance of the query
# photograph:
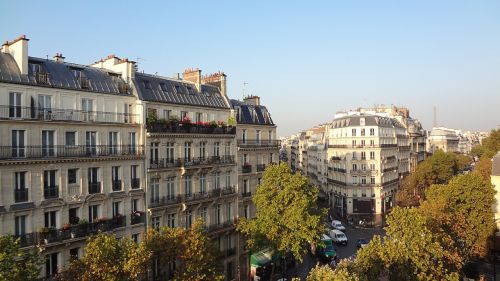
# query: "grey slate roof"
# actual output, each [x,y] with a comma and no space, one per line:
[61,75]
[245,111]
[495,168]
[161,89]
[370,120]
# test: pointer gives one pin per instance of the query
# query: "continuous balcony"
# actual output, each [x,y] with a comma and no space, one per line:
[135,183]
[51,192]
[221,226]
[165,127]
[194,162]
[261,167]
[8,112]
[21,195]
[168,200]
[94,187]
[116,185]
[137,218]
[246,168]
[275,144]
[47,236]
[63,151]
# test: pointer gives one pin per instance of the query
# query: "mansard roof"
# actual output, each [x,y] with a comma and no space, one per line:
[370,120]
[251,114]
[51,74]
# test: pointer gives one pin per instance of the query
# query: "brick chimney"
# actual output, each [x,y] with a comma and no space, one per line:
[18,49]
[59,58]
[124,66]
[252,100]
[217,79]
[193,75]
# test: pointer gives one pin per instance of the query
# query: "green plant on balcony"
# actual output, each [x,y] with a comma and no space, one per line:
[231,121]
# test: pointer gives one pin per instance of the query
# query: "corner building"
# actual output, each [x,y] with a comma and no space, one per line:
[71,154]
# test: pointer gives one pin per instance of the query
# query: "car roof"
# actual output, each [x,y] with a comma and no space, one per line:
[336,231]
[325,237]
[336,221]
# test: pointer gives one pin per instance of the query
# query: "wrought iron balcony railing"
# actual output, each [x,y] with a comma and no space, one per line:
[259,143]
[63,151]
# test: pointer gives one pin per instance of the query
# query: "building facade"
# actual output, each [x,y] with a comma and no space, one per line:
[72,154]
[257,149]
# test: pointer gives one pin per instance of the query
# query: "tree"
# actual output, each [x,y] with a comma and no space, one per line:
[190,249]
[483,168]
[489,146]
[437,169]
[320,273]
[109,259]
[287,217]
[463,209]
[17,264]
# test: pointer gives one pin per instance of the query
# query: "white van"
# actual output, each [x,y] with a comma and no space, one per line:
[338,236]
[338,225]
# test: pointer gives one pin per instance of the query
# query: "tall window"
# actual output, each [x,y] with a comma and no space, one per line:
[202,151]
[372,132]
[50,189]
[203,183]
[132,142]
[15,105]
[372,143]
[155,190]
[228,180]
[113,142]
[363,132]
[20,192]
[166,114]
[189,218]
[229,212]
[170,152]
[93,180]
[353,132]
[216,149]
[204,215]
[227,149]
[246,186]
[363,155]
[171,188]
[218,215]
[171,220]
[126,113]
[153,151]
[51,219]
[187,151]
[188,185]
[48,143]
[199,117]
[217,180]
[20,226]
[117,208]
[44,107]
[257,136]
[115,178]
[93,212]
[244,136]
[88,109]
[18,149]
[51,264]
[354,167]
[70,138]
[372,155]
[135,205]
[134,176]
[91,142]
[155,222]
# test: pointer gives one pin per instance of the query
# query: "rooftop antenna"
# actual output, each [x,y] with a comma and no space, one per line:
[244,85]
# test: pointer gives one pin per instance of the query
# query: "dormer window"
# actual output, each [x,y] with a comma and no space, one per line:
[190,90]
[147,84]
[77,72]
[163,87]
[35,67]
[177,89]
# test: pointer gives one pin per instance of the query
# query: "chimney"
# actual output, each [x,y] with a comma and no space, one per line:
[59,58]
[124,66]
[193,75]
[252,100]
[217,79]
[18,49]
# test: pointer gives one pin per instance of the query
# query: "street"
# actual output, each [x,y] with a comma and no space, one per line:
[353,234]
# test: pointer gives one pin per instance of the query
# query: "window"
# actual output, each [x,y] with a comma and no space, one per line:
[170,152]
[216,149]
[126,113]
[246,211]
[257,136]
[74,253]
[155,222]
[372,132]
[372,167]
[93,175]
[91,143]
[20,192]
[171,188]
[230,270]
[188,184]
[216,180]
[113,142]
[353,155]
[246,186]
[15,105]
[363,167]
[153,151]
[227,149]
[372,155]
[363,132]
[362,142]
[270,136]
[88,109]
[229,212]
[189,218]
[245,158]
[363,155]
[51,219]
[50,188]
[134,179]
[184,114]
[372,180]
[354,180]
[20,226]
[48,143]
[117,208]
[135,237]
[171,220]
[202,151]
[18,148]
[353,143]
[362,122]
[203,183]
[354,167]
[44,107]
[199,117]
[93,212]
[372,143]
[217,215]
[187,151]
[204,215]
[353,132]
[147,84]
[363,180]
[70,138]
[73,215]
[132,142]
[155,190]
[228,180]
[72,176]
[166,114]
[163,87]
[51,264]
[243,136]
[135,205]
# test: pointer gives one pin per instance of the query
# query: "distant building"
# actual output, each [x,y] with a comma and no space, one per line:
[453,140]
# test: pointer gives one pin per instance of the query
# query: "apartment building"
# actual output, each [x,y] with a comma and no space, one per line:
[257,148]
[444,139]
[71,154]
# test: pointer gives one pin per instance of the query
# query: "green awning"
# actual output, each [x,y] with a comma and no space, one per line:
[263,257]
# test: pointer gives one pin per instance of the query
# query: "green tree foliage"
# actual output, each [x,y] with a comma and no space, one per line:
[483,168]
[287,217]
[195,255]
[437,169]
[320,273]
[489,146]
[109,259]
[463,209]
[17,264]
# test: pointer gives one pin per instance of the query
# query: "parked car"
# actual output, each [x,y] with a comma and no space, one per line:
[362,242]
[326,252]
[338,225]
[338,237]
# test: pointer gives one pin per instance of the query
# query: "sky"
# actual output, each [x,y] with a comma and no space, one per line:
[307,60]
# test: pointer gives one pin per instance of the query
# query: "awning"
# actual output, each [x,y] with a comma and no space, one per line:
[263,257]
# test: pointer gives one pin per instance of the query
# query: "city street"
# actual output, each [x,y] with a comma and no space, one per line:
[353,234]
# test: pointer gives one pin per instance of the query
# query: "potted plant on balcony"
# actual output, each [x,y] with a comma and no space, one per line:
[44,234]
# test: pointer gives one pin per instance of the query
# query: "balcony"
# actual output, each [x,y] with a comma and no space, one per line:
[337,182]
[21,195]
[228,191]
[94,187]
[137,217]
[222,226]
[261,167]
[116,185]
[247,168]
[62,151]
[168,163]
[164,201]
[42,77]
[51,192]
[246,194]
[135,183]
[165,127]
[65,115]
[276,144]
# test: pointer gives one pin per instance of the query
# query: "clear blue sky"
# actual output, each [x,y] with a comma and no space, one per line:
[306,59]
